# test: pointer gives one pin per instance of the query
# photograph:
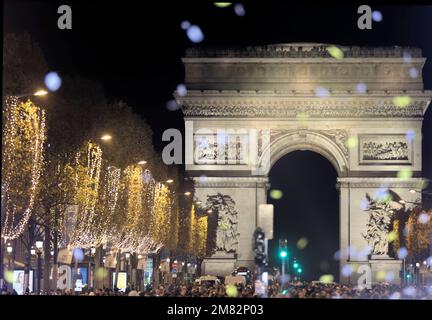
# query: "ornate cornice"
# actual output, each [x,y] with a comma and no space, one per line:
[302,50]
[411,183]
[231,182]
[302,109]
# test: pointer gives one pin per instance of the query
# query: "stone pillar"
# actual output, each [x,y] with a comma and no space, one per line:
[247,193]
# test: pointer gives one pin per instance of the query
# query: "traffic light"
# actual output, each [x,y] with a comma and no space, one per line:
[283,248]
[299,270]
[259,247]
[295,264]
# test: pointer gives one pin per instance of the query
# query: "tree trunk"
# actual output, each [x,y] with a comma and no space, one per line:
[117,268]
[74,278]
[156,270]
[55,245]
[47,259]
[198,269]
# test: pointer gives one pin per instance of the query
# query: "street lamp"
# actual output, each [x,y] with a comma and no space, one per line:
[106,137]
[39,245]
[40,93]
[9,248]
[187,193]
[170,181]
[142,162]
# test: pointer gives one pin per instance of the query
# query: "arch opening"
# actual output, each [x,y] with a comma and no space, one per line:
[307,214]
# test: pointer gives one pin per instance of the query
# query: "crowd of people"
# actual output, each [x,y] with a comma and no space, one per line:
[296,290]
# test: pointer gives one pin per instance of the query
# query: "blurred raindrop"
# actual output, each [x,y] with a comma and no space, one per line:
[423,218]
[347,270]
[402,101]
[351,142]
[404,174]
[231,291]
[78,254]
[410,135]
[326,278]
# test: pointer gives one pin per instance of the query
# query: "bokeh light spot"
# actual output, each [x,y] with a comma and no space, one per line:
[222,4]
[322,92]
[413,72]
[326,278]
[53,81]
[402,253]
[404,174]
[185,24]
[351,142]
[361,87]
[391,236]
[302,243]
[181,90]
[78,254]
[335,52]
[195,34]
[239,10]
[231,291]
[424,218]
[276,194]
[402,101]
[377,16]
[347,270]
[172,105]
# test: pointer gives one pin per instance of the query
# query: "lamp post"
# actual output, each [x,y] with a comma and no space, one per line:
[39,245]
[9,250]
[90,269]
[127,256]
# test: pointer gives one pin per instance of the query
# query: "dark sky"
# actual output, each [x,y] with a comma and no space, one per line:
[135,51]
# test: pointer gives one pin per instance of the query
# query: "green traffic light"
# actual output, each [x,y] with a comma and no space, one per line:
[296,265]
[299,270]
[283,254]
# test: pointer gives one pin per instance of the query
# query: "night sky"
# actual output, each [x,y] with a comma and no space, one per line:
[135,52]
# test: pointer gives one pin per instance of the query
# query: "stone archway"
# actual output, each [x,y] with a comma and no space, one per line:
[274,99]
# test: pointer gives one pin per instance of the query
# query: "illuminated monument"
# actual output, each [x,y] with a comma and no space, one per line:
[245,108]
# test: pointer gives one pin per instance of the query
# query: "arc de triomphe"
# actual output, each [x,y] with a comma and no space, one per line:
[246,108]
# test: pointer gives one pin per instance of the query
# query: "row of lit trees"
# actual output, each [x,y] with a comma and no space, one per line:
[54,157]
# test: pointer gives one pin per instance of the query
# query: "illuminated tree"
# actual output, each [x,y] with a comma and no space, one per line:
[419,227]
[22,163]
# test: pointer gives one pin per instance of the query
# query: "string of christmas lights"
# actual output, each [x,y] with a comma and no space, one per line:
[22,163]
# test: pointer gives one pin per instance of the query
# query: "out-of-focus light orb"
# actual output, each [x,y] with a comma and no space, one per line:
[351,142]
[222,4]
[377,16]
[424,218]
[195,34]
[185,24]
[389,277]
[322,92]
[172,105]
[382,194]
[181,90]
[410,135]
[364,204]
[413,72]
[361,87]
[231,291]
[429,261]
[324,265]
[9,276]
[391,236]
[99,273]
[53,81]
[276,194]
[337,255]
[239,10]
[364,253]
[395,296]
[302,243]
[402,101]
[402,253]
[407,57]
[78,254]
[404,174]
[335,52]
[409,291]
[347,270]
[380,275]
[326,278]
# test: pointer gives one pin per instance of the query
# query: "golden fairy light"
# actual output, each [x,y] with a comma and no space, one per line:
[22,162]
